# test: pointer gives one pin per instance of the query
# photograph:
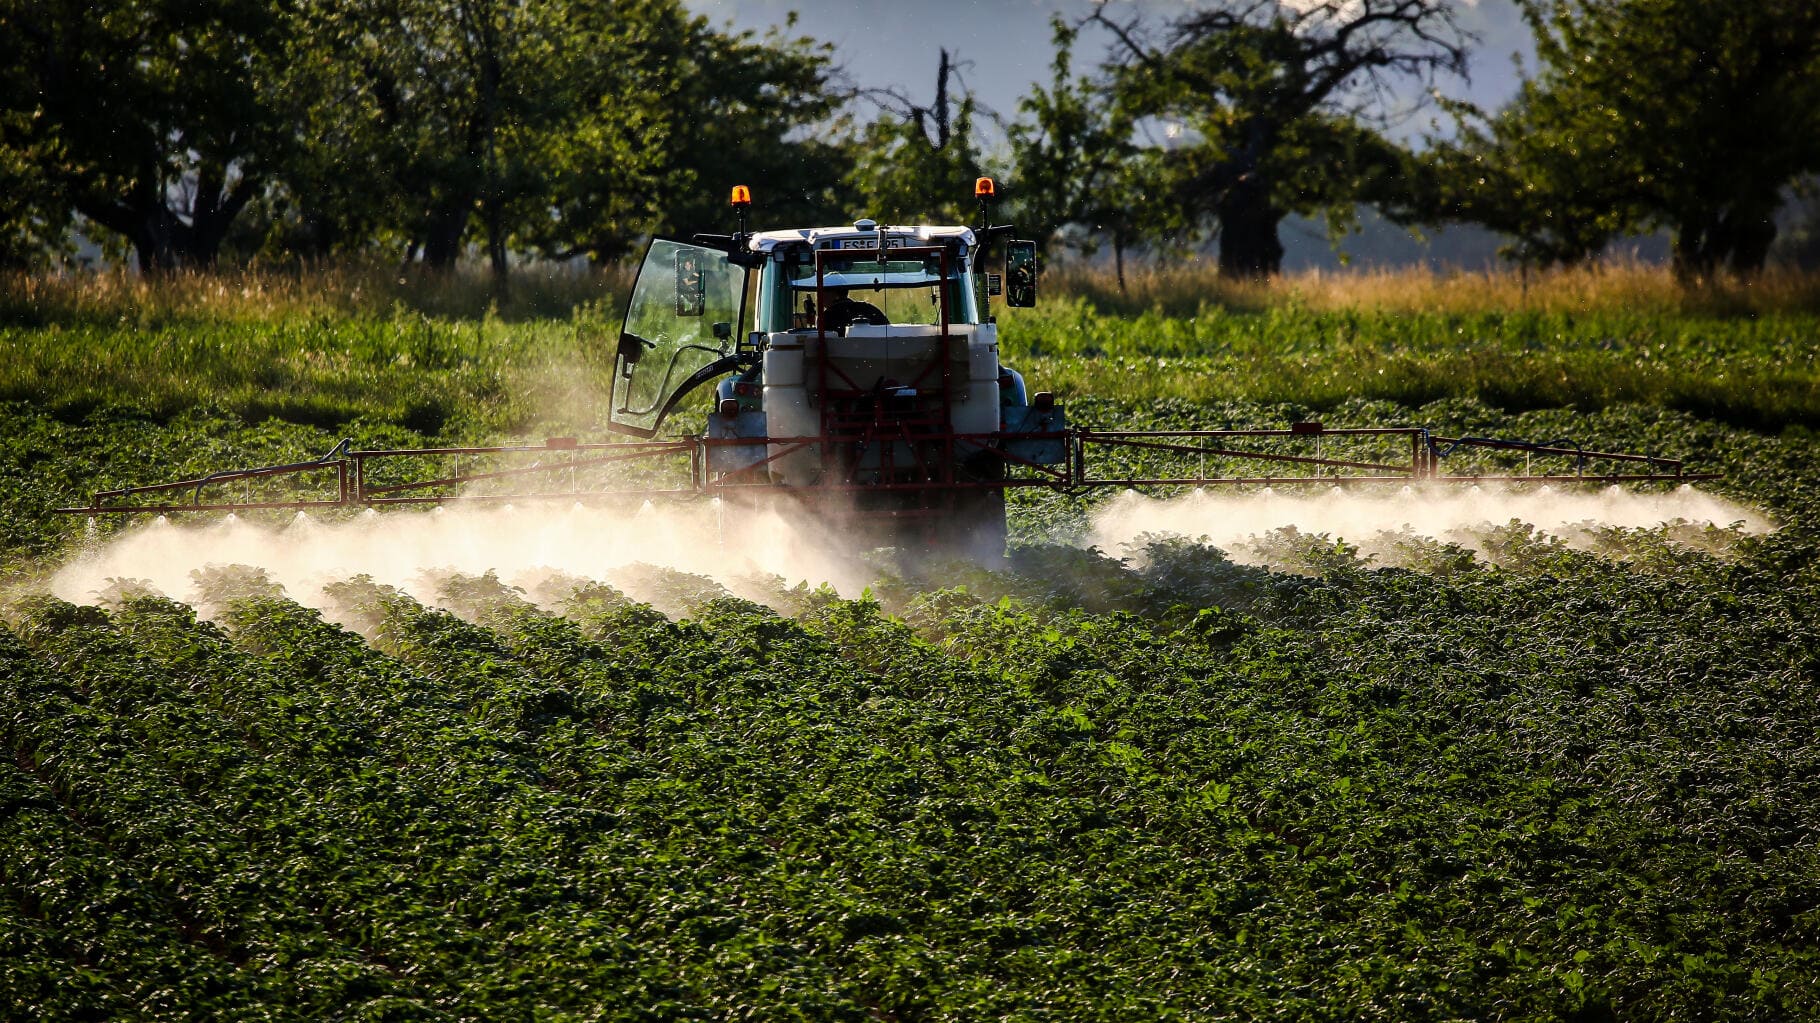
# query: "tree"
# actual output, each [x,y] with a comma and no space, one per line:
[758,111]
[34,217]
[426,119]
[151,119]
[915,163]
[1080,173]
[552,126]
[1694,115]
[1273,103]
[1505,173]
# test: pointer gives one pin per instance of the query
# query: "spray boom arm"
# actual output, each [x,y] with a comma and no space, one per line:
[1303,454]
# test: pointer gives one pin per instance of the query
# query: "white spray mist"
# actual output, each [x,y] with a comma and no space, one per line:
[522,544]
[1228,520]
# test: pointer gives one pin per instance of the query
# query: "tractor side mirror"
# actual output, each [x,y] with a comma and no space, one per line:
[631,347]
[1020,274]
[691,286]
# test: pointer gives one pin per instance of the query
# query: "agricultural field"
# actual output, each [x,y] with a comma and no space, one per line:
[1500,773]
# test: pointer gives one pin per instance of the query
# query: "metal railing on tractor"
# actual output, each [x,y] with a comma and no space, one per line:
[618,471]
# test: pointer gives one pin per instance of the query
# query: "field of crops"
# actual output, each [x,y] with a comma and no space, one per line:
[1518,776]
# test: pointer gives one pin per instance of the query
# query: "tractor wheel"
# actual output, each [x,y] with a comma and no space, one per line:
[977,532]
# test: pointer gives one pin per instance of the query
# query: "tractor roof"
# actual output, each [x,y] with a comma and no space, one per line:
[765,241]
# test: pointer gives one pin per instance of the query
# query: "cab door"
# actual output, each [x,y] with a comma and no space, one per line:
[681,322]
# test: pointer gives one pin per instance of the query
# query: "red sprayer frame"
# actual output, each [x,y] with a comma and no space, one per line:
[351,478]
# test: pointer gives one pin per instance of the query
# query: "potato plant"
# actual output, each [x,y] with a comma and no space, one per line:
[1524,780]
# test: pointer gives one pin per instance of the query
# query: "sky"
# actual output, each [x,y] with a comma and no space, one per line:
[1008,44]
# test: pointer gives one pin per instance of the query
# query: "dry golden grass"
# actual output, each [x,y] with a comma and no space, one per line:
[268,295]
[1612,287]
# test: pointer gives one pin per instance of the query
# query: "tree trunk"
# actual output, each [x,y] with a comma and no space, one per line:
[154,241]
[442,240]
[211,215]
[496,246]
[161,240]
[150,230]
[942,127]
[1693,256]
[1751,230]
[1249,247]
[1737,237]
[1118,258]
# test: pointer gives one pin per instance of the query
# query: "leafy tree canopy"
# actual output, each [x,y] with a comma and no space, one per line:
[543,126]
[151,118]
[916,163]
[1690,115]
[1272,107]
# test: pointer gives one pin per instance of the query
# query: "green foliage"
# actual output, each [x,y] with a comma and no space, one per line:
[1692,115]
[155,121]
[411,370]
[300,130]
[528,103]
[1078,170]
[33,215]
[1514,175]
[1521,781]
[1532,793]
[913,165]
[1271,108]
[1758,372]
[756,111]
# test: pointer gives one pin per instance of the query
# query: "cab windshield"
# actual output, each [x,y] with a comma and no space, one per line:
[902,290]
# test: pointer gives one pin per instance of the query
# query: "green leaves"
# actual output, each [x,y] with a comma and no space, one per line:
[1533,777]
[1691,115]
[1400,793]
[158,122]
[326,127]
[1268,109]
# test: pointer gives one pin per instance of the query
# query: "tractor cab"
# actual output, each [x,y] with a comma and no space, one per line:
[857,362]
[711,308]
[830,279]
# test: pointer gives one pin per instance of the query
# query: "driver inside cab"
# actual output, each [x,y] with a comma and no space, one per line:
[843,312]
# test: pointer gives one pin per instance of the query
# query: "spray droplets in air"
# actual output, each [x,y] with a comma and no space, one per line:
[525,545]
[521,544]
[1235,521]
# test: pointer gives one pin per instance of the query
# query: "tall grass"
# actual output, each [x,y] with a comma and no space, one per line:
[330,346]
[1745,352]
[325,346]
[424,373]
[1183,289]
[264,295]
[1761,371]
[543,291]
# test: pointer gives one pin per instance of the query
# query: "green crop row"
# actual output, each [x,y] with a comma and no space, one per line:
[490,376]
[1072,789]
[1530,781]
[1759,372]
